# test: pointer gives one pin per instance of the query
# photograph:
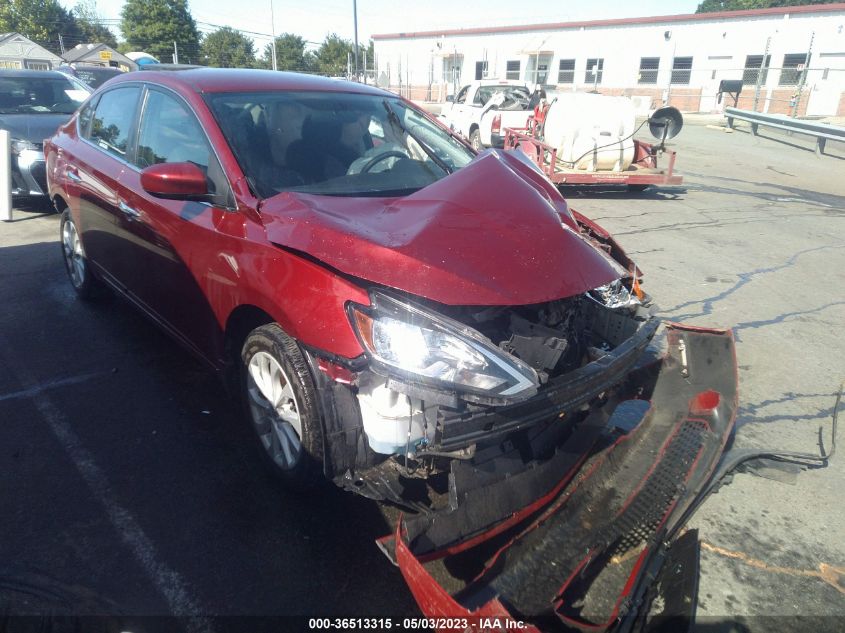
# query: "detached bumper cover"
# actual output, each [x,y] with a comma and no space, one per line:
[585,556]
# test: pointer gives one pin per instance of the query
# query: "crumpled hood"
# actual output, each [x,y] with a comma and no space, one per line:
[492,233]
[32,127]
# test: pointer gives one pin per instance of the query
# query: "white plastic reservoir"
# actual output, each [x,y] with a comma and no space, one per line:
[588,130]
[393,422]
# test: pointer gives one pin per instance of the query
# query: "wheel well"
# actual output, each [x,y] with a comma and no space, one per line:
[59,203]
[243,320]
[473,127]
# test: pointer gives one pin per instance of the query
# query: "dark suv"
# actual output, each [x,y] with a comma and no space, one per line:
[33,104]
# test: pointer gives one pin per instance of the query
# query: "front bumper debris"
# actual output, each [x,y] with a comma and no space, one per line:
[585,554]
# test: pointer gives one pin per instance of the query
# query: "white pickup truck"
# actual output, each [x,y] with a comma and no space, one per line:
[482,109]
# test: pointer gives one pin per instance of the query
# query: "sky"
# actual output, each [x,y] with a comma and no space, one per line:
[314,19]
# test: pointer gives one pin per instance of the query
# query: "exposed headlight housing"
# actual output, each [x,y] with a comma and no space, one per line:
[413,344]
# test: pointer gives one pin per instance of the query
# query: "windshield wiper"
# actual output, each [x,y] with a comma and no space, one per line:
[394,118]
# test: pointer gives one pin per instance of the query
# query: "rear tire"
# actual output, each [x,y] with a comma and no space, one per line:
[475,140]
[76,264]
[280,401]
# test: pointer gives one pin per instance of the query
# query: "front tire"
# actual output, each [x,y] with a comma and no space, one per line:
[280,400]
[76,264]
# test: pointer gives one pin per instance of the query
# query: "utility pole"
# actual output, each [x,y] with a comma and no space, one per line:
[61,44]
[273,33]
[175,54]
[797,98]
[764,67]
[355,20]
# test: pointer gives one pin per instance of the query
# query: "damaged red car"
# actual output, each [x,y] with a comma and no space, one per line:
[420,324]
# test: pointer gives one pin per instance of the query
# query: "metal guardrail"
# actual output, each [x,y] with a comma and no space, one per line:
[822,131]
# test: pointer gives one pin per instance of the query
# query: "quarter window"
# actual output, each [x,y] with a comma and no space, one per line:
[113,119]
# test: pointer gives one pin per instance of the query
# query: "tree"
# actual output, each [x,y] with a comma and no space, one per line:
[154,25]
[711,6]
[41,21]
[290,54]
[90,25]
[228,48]
[333,55]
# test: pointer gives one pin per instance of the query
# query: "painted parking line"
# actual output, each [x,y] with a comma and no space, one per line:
[168,581]
[50,384]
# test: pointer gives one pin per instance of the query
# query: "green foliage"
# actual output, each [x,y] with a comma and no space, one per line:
[333,55]
[153,25]
[290,54]
[712,6]
[88,21]
[228,48]
[40,20]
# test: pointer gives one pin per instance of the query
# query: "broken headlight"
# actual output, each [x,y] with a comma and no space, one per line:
[416,345]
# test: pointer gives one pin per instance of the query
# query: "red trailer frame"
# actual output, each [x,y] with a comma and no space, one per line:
[642,172]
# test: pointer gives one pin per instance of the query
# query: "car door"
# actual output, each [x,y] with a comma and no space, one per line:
[95,166]
[460,112]
[163,237]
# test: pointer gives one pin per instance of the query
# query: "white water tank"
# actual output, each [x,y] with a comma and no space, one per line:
[591,132]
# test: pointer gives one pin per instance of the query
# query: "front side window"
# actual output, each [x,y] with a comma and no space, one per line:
[113,118]
[335,143]
[40,95]
[595,67]
[169,133]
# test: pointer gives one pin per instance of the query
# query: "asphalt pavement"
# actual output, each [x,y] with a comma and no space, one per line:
[128,486]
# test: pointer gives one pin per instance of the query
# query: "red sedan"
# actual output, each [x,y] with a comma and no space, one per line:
[420,324]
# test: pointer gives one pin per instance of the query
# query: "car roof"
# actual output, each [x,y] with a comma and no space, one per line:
[210,80]
[32,74]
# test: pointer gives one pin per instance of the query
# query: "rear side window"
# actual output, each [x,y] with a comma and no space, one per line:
[113,118]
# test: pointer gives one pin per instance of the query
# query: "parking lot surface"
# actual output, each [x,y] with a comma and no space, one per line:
[128,486]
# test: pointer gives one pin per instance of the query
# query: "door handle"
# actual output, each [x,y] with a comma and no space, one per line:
[72,175]
[128,211]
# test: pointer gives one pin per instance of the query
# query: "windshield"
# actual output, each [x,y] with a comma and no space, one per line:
[96,77]
[335,143]
[37,95]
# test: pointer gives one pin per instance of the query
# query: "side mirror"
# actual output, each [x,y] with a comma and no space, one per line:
[178,181]
[450,98]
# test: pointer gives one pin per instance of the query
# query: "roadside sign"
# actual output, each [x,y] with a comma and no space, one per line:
[105,55]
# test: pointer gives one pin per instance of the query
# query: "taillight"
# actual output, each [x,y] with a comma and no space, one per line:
[496,127]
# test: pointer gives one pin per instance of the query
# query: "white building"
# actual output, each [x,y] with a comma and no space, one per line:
[675,59]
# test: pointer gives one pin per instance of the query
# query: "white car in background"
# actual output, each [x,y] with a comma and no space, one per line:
[483,108]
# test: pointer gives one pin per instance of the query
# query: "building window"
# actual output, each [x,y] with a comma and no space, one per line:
[481,70]
[5,63]
[648,70]
[34,65]
[513,70]
[681,70]
[752,71]
[566,71]
[793,66]
[595,67]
